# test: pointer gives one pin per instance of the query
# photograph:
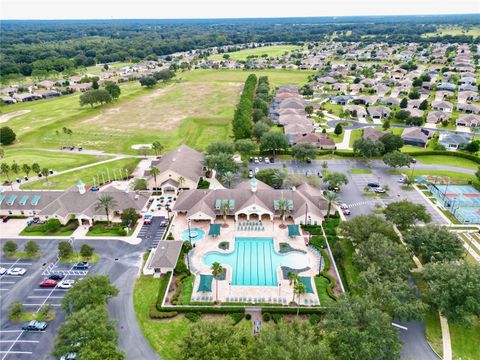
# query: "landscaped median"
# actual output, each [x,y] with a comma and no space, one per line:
[51,227]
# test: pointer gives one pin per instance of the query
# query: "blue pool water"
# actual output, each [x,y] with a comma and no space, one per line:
[254,261]
[196,234]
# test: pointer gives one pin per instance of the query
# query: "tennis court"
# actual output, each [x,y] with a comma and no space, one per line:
[463,201]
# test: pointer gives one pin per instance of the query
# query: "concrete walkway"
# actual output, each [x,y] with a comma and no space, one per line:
[345,144]
[447,344]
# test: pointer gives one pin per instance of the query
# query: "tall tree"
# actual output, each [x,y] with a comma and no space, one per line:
[273,141]
[107,203]
[26,169]
[293,280]
[304,151]
[433,243]
[397,159]
[368,148]
[404,214]
[157,147]
[332,198]
[360,228]
[154,171]
[217,271]
[336,179]
[7,135]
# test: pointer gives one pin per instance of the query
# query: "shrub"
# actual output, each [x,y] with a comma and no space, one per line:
[86,251]
[122,232]
[31,248]
[224,245]
[318,242]
[193,316]
[7,135]
[52,225]
[314,319]
[15,310]
[203,184]
[65,249]
[44,311]
[248,317]
[154,313]
[266,317]
[277,318]
[237,317]
[326,259]
[9,248]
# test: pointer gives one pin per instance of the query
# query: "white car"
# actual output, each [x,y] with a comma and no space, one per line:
[343,206]
[66,284]
[16,271]
[255,160]
[379,190]
[2,270]
[257,170]
[267,160]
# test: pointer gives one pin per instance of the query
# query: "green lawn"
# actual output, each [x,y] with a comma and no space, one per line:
[104,229]
[349,270]
[186,294]
[360,171]
[164,336]
[354,135]
[271,51]
[337,138]
[448,160]
[64,181]
[455,177]
[332,108]
[38,230]
[76,257]
[277,77]
[47,159]
[465,341]
[434,331]
[321,283]
[23,255]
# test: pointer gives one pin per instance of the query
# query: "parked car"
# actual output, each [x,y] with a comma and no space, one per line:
[257,170]
[309,161]
[4,218]
[343,206]
[48,283]
[16,271]
[81,266]
[18,180]
[255,160]
[35,325]
[147,221]
[56,276]
[272,160]
[267,160]
[250,173]
[2,270]
[66,284]
[25,178]
[401,180]
[379,190]
[333,188]
[373,184]
[413,161]
[69,356]
[163,223]
[346,211]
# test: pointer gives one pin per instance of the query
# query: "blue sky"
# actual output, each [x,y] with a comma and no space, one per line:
[164,9]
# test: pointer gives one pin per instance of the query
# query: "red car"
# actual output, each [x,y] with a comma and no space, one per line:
[48,283]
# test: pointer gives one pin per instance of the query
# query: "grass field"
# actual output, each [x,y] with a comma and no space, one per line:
[434,331]
[455,177]
[193,110]
[448,160]
[64,181]
[465,341]
[271,51]
[163,336]
[454,31]
[51,160]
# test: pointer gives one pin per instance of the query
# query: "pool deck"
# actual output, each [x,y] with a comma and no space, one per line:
[253,294]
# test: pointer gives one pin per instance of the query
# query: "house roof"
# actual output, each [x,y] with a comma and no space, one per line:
[166,254]
[184,160]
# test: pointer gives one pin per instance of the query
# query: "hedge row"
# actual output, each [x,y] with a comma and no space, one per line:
[326,275]
[447,153]
[290,310]
[242,122]
[163,288]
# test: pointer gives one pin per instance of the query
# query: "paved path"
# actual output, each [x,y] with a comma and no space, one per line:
[345,144]
[447,344]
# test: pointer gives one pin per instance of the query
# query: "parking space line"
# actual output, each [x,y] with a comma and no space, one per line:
[26,264]
[20,341]
[15,352]
[11,266]
[11,346]
[41,297]
[40,305]
[10,331]
[7,282]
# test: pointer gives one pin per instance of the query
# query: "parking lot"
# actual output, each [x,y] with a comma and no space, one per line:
[7,282]
[16,343]
[152,233]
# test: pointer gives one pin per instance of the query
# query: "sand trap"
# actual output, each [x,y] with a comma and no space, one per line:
[140,146]
[10,115]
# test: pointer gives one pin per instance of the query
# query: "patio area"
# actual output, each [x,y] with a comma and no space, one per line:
[277,290]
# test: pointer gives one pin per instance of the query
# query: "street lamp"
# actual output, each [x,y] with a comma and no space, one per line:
[190,241]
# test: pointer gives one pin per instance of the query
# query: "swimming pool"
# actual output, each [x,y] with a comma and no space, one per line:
[195,233]
[254,261]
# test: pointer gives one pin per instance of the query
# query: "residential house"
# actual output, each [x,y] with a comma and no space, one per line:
[320,141]
[416,136]
[442,106]
[357,111]
[468,120]
[469,108]
[340,99]
[379,112]
[373,134]
[434,117]
[453,141]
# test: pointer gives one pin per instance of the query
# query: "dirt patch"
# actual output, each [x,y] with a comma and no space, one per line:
[10,115]
[164,109]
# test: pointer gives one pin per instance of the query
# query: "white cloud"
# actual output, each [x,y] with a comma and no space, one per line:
[163,9]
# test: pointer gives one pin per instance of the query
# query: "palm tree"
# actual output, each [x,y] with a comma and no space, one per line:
[280,176]
[228,178]
[324,165]
[332,198]
[5,170]
[15,168]
[293,280]
[157,147]
[217,270]
[299,289]
[107,203]
[154,171]
[224,208]
[283,208]
[26,169]
[35,168]
[181,181]
[45,173]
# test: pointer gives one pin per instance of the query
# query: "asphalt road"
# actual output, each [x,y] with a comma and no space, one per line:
[121,261]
